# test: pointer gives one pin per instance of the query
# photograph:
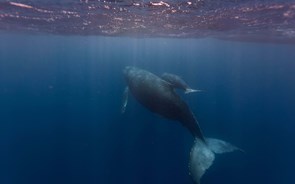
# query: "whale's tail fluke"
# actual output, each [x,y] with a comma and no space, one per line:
[203,154]
[189,90]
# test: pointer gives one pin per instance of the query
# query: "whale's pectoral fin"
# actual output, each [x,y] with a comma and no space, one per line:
[189,90]
[125,99]
[202,155]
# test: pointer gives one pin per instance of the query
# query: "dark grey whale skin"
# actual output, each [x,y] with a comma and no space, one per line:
[159,96]
[175,80]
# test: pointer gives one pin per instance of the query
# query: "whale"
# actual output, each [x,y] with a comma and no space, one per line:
[159,96]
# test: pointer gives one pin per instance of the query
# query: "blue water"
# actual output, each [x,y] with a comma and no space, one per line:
[60,120]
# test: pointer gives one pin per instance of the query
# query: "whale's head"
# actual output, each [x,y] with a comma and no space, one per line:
[129,72]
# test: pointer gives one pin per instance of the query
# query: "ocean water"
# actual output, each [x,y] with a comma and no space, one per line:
[61,121]
[61,96]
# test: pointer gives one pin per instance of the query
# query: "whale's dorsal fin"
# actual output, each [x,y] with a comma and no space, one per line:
[125,100]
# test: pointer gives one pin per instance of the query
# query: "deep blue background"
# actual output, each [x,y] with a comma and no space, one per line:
[60,118]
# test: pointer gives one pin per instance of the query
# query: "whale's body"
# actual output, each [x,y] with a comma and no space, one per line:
[159,96]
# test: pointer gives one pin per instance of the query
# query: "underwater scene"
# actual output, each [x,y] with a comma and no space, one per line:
[147,92]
